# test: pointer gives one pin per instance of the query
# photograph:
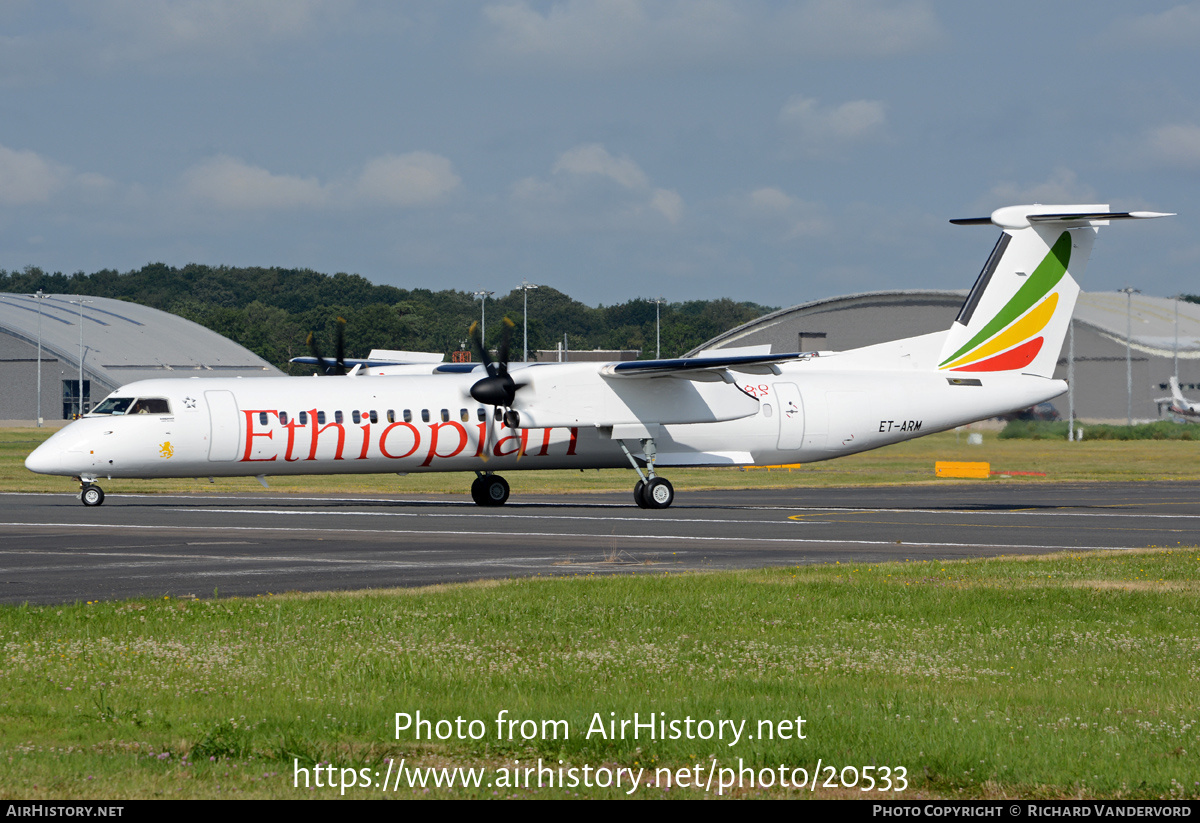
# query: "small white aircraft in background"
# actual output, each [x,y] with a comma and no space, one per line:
[721,408]
[1180,406]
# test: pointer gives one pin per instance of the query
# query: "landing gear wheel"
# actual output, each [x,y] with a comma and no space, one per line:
[639,495]
[91,495]
[658,493]
[490,490]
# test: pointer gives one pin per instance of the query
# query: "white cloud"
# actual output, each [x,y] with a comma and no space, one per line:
[587,179]
[769,199]
[135,30]
[669,204]
[1174,146]
[1177,27]
[232,184]
[171,36]
[26,177]
[619,33]
[825,129]
[593,158]
[1062,188]
[406,180]
[789,215]
[411,179]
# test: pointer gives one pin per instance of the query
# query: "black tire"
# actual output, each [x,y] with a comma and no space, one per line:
[477,493]
[659,493]
[91,495]
[495,490]
[639,495]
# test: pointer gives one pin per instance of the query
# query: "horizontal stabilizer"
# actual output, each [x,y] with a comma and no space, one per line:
[1021,217]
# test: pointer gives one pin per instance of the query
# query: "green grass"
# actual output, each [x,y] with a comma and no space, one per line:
[1044,430]
[906,463]
[1064,676]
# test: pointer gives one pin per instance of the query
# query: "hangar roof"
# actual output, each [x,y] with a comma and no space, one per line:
[124,341]
[1152,319]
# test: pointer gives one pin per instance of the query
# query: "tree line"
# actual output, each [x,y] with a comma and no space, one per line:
[272,311]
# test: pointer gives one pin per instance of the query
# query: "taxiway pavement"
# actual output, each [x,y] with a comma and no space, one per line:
[54,550]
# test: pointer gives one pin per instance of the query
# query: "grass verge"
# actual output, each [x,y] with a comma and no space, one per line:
[1070,675]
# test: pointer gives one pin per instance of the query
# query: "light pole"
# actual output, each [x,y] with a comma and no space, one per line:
[483,296]
[81,301]
[658,327]
[525,287]
[1177,298]
[1129,292]
[1071,380]
[39,297]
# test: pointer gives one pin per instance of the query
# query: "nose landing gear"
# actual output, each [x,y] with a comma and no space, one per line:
[90,493]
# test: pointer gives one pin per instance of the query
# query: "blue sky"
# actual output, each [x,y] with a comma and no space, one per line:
[767,151]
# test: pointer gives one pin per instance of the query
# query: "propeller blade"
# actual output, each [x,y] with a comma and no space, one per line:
[505,338]
[486,453]
[339,366]
[322,363]
[481,350]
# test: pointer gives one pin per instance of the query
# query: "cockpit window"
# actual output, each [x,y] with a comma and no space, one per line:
[150,405]
[114,405]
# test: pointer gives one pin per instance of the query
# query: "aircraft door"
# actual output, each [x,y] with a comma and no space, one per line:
[224,431]
[791,416]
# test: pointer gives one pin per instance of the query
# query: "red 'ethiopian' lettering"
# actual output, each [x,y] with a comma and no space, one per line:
[416,435]
[341,436]
[521,439]
[251,434]
[433,440]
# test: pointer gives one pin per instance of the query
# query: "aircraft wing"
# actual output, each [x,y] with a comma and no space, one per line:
[704,369]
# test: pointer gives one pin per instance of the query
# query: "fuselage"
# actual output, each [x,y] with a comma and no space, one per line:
[811,411]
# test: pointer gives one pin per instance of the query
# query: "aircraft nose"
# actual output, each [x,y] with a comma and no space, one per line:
[45,459]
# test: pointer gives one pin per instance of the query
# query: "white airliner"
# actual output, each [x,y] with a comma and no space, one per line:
[721,408]
[1181,407]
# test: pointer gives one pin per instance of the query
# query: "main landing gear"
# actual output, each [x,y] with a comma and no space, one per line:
[489,490]
[651,491]
[90,493]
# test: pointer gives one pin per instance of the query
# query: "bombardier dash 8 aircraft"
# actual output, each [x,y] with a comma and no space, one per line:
[721,408]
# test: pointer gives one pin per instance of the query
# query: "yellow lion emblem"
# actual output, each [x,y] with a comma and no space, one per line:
[165,450]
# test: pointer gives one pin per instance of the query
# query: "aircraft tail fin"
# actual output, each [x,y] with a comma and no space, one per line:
[1016,317]
[1177,393]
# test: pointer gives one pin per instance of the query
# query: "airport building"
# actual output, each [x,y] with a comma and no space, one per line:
[118,343]
[1156,340]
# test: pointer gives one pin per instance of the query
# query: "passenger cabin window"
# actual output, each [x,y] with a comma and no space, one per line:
[424,415]
[445,415]
[262,418]
[374,416]
[465,415]
[391,415]
[283,418]
[320,418]
[337,417]
[303,418]
[481,413]
[114,405]
[407,415]
[355,416]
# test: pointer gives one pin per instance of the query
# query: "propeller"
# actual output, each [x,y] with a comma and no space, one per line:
[338,366]
[498,389]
